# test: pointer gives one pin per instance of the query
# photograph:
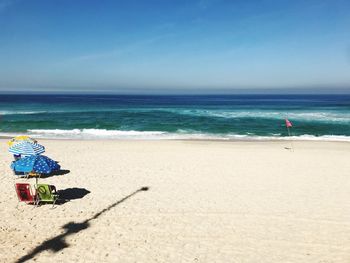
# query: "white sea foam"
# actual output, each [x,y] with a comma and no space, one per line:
[304,137]
[92,133]
[325,116]
[301,115]
[158,135]
[20,112]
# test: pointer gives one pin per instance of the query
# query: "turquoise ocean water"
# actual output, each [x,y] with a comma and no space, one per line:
[236,117]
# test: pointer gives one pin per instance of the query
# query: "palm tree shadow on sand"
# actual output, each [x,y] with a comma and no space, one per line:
[58,242]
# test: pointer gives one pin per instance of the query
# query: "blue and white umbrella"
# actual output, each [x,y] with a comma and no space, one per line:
[35,163]
[26,148]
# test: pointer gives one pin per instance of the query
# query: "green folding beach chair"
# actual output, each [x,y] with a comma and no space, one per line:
[46,193]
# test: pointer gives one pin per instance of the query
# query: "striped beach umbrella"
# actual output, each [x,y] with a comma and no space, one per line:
[26,148]
[21,138]
[35,163]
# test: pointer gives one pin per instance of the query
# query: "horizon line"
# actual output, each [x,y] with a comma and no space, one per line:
[168,94]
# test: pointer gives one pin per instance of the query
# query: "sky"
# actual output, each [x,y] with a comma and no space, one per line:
[164,46]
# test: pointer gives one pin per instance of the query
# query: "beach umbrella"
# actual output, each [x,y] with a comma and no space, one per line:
[19,139]
[26,148]
[35,163]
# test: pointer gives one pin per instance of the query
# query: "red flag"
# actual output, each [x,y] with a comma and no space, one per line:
[288,124]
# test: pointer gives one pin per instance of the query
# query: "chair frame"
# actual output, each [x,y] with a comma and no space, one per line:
[52,190]
[34,196]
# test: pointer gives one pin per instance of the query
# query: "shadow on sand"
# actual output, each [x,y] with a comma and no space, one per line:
[69,194]
[60,172]
[55,173]
[58,242]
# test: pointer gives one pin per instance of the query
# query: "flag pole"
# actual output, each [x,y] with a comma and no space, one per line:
[288,125]
[291,141]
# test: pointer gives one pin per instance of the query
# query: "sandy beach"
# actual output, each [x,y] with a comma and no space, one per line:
[207,201]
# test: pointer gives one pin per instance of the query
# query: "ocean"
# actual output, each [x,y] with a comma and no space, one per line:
[225,117]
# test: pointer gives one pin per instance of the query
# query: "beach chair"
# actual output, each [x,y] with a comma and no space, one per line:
[24,193]
[46,193]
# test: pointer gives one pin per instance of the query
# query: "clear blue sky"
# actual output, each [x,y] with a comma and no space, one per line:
[182,45]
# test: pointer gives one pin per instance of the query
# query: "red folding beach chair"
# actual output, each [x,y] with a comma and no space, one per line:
[24,193]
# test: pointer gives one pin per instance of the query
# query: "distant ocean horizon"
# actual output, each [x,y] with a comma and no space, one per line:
[223,117]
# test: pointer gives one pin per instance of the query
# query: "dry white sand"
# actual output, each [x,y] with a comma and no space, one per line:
[207,202]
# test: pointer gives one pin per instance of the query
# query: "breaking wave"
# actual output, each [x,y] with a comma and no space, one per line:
[86,134]
[301,115]
[20,112]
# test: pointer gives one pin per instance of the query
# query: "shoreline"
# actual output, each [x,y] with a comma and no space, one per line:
[225,140]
